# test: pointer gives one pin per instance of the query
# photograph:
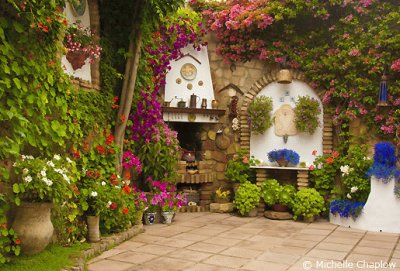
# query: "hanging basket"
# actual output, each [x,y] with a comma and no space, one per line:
[77,59]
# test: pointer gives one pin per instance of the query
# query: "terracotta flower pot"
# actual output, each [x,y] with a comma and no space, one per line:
[280,208]
[282,162]
[77,59]
[33,226]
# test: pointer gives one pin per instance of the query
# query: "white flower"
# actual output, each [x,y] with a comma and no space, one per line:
[47,181]
[50,163]
[348,196]
[119,177]
[43,172]
[28,179]
[23,157]
[103,183]
[68,160]
[93,194]
[235,121]
[118,187]
[319,166]
[30,157]
[345,170]
[354,189]
[66,178]
[109,204]
[367,158]
[15,164]
[84,171]
[57,157]
[25,171]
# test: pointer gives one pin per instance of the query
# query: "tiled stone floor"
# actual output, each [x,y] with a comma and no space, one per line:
[211,241]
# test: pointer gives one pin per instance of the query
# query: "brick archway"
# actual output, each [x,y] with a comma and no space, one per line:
[327,130]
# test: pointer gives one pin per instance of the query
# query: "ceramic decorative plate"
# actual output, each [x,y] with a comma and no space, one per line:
[188,71]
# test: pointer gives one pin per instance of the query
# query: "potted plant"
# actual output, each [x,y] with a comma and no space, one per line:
[41,182]
[81,45]
[259,113]
[308,203]
[140,200]
[238,169]
[307,113]
[284,157]
[221,195]
[247,198]
[280,197]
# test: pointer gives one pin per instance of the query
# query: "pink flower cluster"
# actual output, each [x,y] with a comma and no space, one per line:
[396,65]
[129,160]
[166,196]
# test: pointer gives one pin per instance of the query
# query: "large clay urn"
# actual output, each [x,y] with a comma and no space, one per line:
[33,226]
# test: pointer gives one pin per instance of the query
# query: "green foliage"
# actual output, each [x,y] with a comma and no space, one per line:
[324,171]
[247,197]
[307,113]
[44,180]
[53,258]
[238,168]
[355,165]
[273,193]
[259,112]
[308,203]
[9,242]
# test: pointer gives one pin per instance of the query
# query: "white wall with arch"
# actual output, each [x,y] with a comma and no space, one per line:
[302,143]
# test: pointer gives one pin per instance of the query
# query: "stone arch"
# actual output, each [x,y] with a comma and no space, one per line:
[327,130]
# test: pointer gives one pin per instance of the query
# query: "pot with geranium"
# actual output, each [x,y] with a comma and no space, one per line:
[41,183]
[139,197]
[284,157]
[247,198]
[238,169]
[81,45]
[280,197]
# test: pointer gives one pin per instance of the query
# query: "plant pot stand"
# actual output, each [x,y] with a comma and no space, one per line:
[278,215]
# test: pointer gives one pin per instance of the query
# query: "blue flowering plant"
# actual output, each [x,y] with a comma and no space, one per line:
[290,156]
[346,209]
[384,167]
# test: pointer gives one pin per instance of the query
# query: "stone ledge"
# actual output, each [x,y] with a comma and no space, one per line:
[221,207]
[105,244]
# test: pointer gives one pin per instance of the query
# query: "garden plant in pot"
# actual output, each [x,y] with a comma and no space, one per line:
[284,157]
[247,198]
[238,169]
[279,197]
[221,195]
[309,204]
[41,183]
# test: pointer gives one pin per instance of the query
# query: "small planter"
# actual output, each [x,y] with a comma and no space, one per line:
[149,218]
[167,217]
[280,208]
[282,162]
[77,59]
[33,226]
[93,223]
[219,200]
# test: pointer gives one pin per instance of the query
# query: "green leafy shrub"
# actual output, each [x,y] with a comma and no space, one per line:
[259,112]
[238,169]
[274,193]
[247,197]
[9,242]
[307,111]
[324,171]
[308,203]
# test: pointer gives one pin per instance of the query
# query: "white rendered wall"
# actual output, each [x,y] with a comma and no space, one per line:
[172,88]
[84,72]
[302,143]
[381,212]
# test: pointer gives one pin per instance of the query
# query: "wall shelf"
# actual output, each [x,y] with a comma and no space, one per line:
[206,111]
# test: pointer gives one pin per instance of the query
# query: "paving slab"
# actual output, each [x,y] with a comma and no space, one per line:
[224,242]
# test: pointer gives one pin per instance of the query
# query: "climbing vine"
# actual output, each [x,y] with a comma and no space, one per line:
[343,47]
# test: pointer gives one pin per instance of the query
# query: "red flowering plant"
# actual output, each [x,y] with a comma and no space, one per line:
[324,170]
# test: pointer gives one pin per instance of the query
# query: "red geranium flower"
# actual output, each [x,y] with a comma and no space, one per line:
[335,154]
[17,242]
[314,152]
[110,139]
[312,167]
[125,210]
[113,206]
[127,189]
[329,160]
[101,149]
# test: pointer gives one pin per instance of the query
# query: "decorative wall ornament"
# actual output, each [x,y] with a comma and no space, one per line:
[188,71]
[189,86]
[178,81]
[284,120]
[200,83]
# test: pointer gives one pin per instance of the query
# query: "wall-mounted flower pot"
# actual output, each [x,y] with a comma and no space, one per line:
[76,58]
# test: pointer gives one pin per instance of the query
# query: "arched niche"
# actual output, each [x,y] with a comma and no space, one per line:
[285,96]
[303,143]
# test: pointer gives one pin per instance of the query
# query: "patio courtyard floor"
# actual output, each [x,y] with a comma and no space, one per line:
[209,241]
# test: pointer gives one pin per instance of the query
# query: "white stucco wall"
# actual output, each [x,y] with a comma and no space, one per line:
[302,143]
[84,72]
[172,88]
